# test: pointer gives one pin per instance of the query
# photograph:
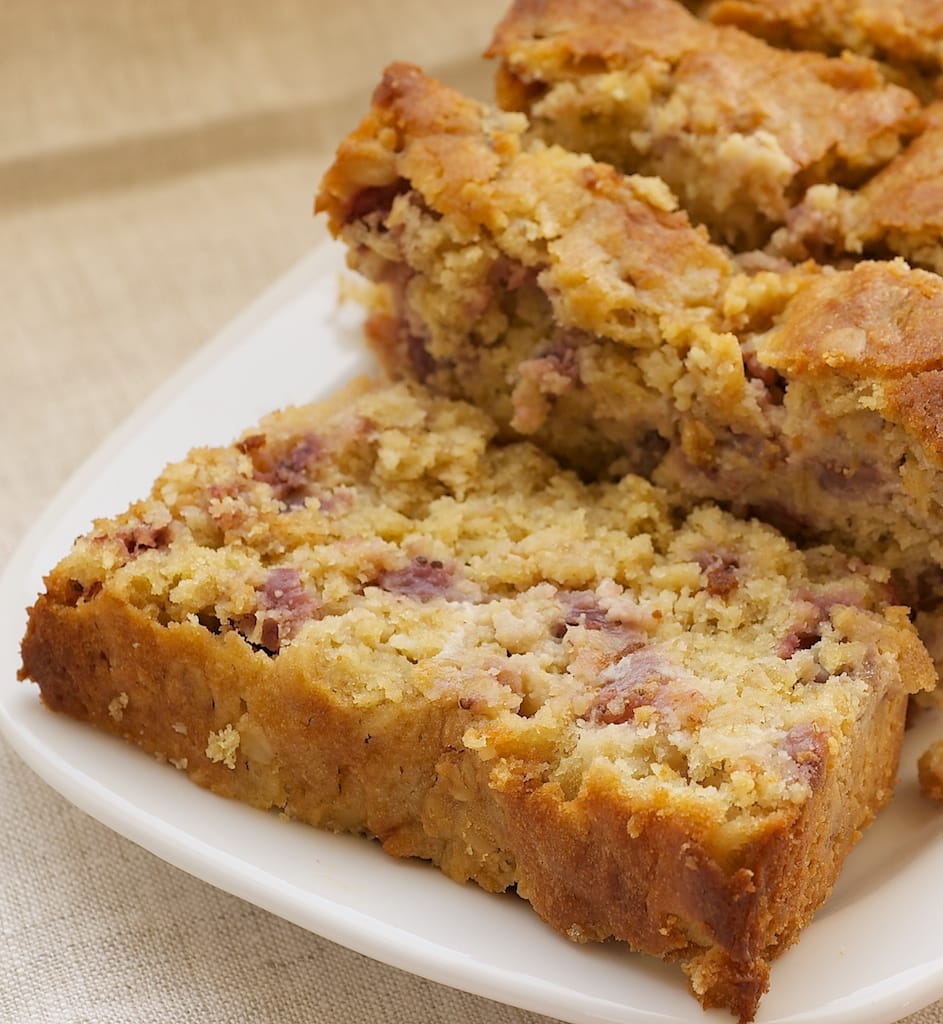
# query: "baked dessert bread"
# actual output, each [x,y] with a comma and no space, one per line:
[737,128]
[494,251]
[906,34]
[897,212]
[374,617]
[580,308]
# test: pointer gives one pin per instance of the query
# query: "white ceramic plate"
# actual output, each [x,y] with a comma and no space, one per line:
[873,954]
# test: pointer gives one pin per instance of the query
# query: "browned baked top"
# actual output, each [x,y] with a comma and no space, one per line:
[606,242]
[810,103]
[879,320]
[917,402]
[412,118]
[907,195]
[476,165]
[900,31]
[897,212]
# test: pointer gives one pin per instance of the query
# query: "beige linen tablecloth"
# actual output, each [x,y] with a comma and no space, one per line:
[157,164]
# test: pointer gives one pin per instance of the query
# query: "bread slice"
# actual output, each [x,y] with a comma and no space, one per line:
[581,309]
[373,617]
[737,128]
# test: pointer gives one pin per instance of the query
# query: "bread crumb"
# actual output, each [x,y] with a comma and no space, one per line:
[930,771]
[180,763]
[180,727]
[221,746]
[117,706]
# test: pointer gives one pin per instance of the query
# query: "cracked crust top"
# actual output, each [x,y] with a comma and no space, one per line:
[811,103]
[738,129]
[572,219]
[878,320]
[547,206]
[906,33]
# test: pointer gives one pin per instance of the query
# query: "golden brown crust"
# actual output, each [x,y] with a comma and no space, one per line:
[907,33]
[747,912]
[580,33]
[878,320]
[800,97]
[167,689]
[898,212]
[472,164]
[404,106]
[908,194]
[647,86]
[590,865]
[917,403]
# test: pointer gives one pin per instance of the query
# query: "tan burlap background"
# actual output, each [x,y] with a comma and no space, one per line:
[157,163]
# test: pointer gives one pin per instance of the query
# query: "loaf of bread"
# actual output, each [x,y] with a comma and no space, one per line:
[736,127]
[374,617]
[580,308]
